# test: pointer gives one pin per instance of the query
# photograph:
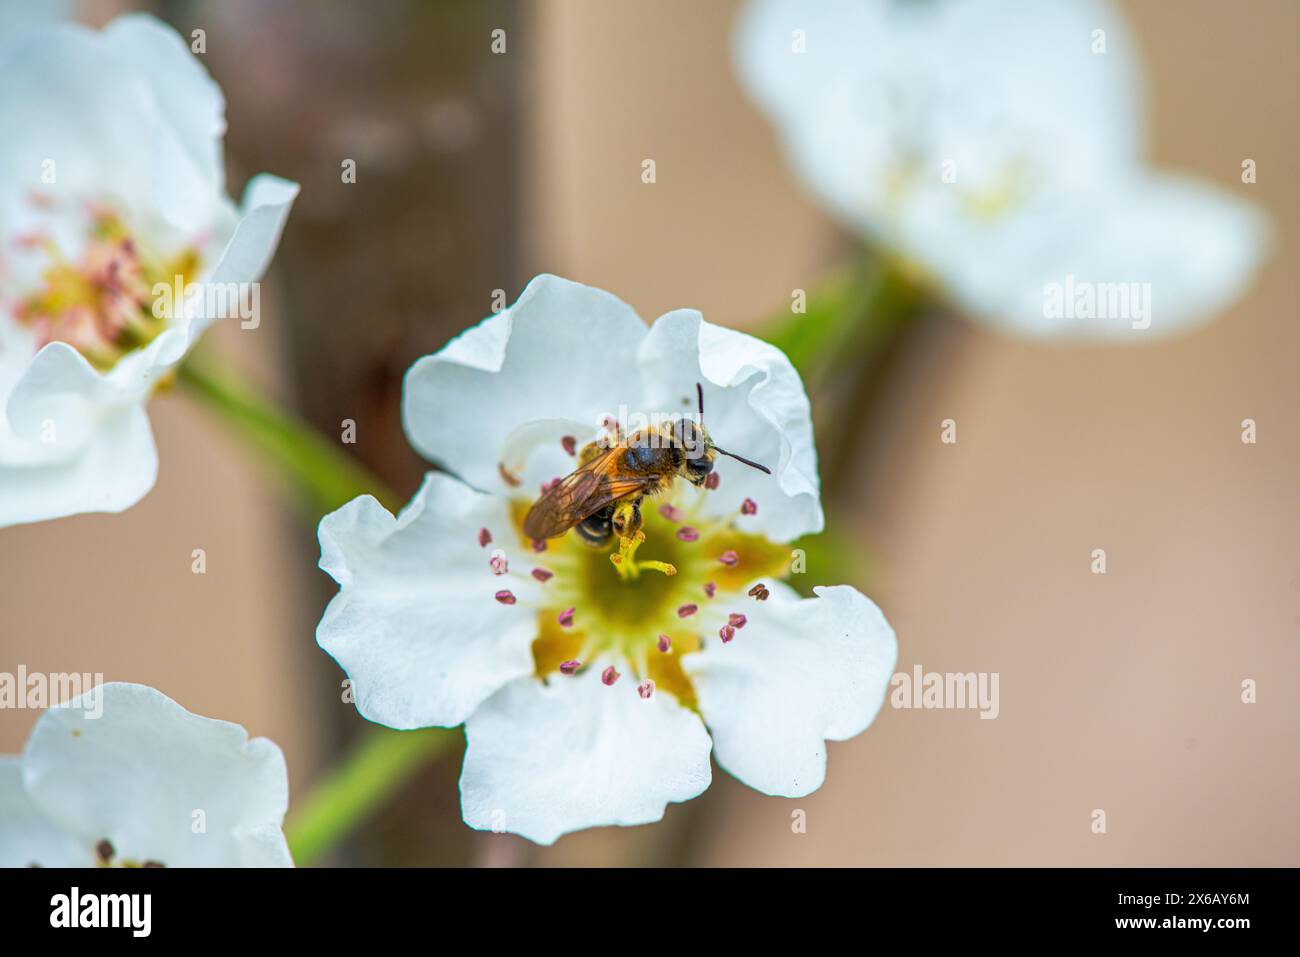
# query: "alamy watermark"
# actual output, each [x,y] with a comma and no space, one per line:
[1075,299]
[214,300]
[946,690]
[39,690]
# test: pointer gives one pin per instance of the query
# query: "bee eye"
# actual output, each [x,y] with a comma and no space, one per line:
[700,466]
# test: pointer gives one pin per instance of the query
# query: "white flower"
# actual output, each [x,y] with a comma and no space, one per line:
[111,184]
[123,776]
[592,694]
[998,146]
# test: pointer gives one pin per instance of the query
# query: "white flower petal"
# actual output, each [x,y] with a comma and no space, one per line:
[546,759]
[28,837]
[415,624]
[754,405]
[192,111]
[801,672]
[158,782]
[560,352]
[71,442]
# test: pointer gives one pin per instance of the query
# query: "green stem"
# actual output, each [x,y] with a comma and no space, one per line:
[377,766]
[319,467]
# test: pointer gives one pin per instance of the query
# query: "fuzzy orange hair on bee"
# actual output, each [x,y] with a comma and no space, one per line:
[607,477]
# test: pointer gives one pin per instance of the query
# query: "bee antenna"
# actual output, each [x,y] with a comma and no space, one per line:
[699,391]
[741,458]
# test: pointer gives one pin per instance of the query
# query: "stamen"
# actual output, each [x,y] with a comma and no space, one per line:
[736,621]
[625,559]
[713,481]
[760,592]
[671,512]
[665,644]
[645,689]
[609,675]
[566,618]
[539,545]
[748,507]
[685,611]
[688,534]
[484,538]
[726,633]
[570,444]
[104,851]
[542,575]
[498,562]
[569,667]
[505,596]
[710,589]
[729,558]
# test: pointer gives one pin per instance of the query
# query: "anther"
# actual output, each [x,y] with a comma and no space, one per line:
[569,667]
[665,644]
[748,507]
[566,618]
[688,534]
[498,562]
[726,633]
[685,611]
[484,538]
[729,558]
[671,512]
[713,481]
[710,589]
[759,591]
[646,688]
[542,575]
[104,851]
[570,444]
[609,675]
[539,545]
[736,621]
[505,596]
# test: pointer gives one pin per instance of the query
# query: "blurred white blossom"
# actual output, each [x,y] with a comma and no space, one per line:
[112,187]
[123,776]
[997,146]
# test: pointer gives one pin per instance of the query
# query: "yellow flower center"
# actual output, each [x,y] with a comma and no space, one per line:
[591,609]
[102,304]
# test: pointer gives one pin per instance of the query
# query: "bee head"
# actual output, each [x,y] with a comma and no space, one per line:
[694,441]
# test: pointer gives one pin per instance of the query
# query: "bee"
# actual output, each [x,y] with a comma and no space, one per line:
[603,494]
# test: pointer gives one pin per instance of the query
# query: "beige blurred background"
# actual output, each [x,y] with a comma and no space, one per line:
[1119,692]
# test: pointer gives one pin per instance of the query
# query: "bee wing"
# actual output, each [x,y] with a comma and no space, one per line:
[585,490]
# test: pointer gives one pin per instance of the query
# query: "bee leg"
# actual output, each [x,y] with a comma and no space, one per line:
[626,521]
